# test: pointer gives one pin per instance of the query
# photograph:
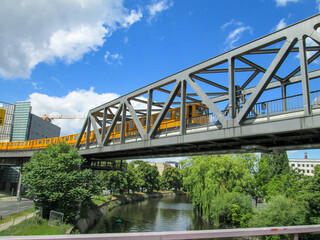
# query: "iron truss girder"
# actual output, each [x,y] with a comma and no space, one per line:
[228,85]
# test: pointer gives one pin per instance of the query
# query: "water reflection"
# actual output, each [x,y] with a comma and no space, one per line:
[154,215]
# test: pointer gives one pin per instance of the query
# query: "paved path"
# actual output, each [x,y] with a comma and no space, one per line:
[16,221]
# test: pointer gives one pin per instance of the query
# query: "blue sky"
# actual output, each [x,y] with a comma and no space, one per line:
[67,57]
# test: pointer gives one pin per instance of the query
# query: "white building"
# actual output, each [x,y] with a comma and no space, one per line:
[306,166]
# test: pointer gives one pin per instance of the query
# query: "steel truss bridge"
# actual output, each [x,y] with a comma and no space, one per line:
[262,96]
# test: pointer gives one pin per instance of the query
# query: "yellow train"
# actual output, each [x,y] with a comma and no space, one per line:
[195,112]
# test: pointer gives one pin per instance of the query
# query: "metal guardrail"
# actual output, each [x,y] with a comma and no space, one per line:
[201,234]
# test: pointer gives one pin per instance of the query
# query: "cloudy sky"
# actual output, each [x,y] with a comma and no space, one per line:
[68,56]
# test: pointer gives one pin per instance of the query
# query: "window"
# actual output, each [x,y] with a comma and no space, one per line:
[67,138]
[308,171]
[307,165]
[144,121]
[76,137]
[199,110]
[302,165]
[311,165]
[298,165]
[131,124]
[292,165]
[168,116]
[47,142]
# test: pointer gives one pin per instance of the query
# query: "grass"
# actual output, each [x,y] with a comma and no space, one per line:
[16,215]
[98,199]
[35,226]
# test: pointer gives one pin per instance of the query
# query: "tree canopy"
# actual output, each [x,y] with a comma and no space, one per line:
[57,181]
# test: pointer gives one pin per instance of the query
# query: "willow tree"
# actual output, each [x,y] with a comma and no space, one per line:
[206,177]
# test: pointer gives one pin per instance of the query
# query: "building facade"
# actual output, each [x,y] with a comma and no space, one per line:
[21,125]
[305,166]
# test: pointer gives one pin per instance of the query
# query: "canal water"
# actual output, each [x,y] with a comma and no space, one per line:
[153,215]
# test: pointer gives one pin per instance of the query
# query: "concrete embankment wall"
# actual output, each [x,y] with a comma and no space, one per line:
[94,215]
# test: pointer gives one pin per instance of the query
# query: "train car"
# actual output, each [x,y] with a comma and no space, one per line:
[196,114]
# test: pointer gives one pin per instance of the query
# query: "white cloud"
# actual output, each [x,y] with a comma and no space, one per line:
[115,58]
[238,28]
[284,2]
[157,7]
[76,103]
[230,23]
[281,24]
[318,5]
[44,31]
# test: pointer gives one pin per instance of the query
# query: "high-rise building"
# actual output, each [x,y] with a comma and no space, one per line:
[21,125]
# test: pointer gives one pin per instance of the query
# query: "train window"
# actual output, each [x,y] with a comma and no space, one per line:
[48,141]
[117,127]
[168,116]
[71,137]
[22,144]
[131,124]
[199,110]
[15,144]
[76,137]
[177,114]
[39,142]
[144,121]
[67,138]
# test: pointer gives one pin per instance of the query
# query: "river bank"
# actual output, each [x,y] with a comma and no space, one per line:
[93,215]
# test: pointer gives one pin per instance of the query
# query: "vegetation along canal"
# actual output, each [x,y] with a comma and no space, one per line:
[153,215]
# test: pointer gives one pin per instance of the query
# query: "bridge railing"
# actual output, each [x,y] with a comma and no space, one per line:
[282,105]
[294,231]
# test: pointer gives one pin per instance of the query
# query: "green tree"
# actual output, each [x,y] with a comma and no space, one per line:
[232,209]
[133,181]
[278,164]
[115,180]
[280,211]
[171,178]
[57,181]
[206,177]
[148,176]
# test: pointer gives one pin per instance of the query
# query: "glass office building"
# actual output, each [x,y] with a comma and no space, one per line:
[21,125]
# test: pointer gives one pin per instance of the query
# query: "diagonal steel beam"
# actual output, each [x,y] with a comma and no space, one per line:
[136,120]
[112,125]
[210,82]
[81,133]
[263,83]
[258,67]
[164,110]
[207,101]
[95,129]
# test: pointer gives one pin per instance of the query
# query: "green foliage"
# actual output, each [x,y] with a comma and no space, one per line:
[57,181]
[206,177]
[171,178]
[115,180]
[231,210]
[148,176]
[278,164]
[132,178]
[280,211]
